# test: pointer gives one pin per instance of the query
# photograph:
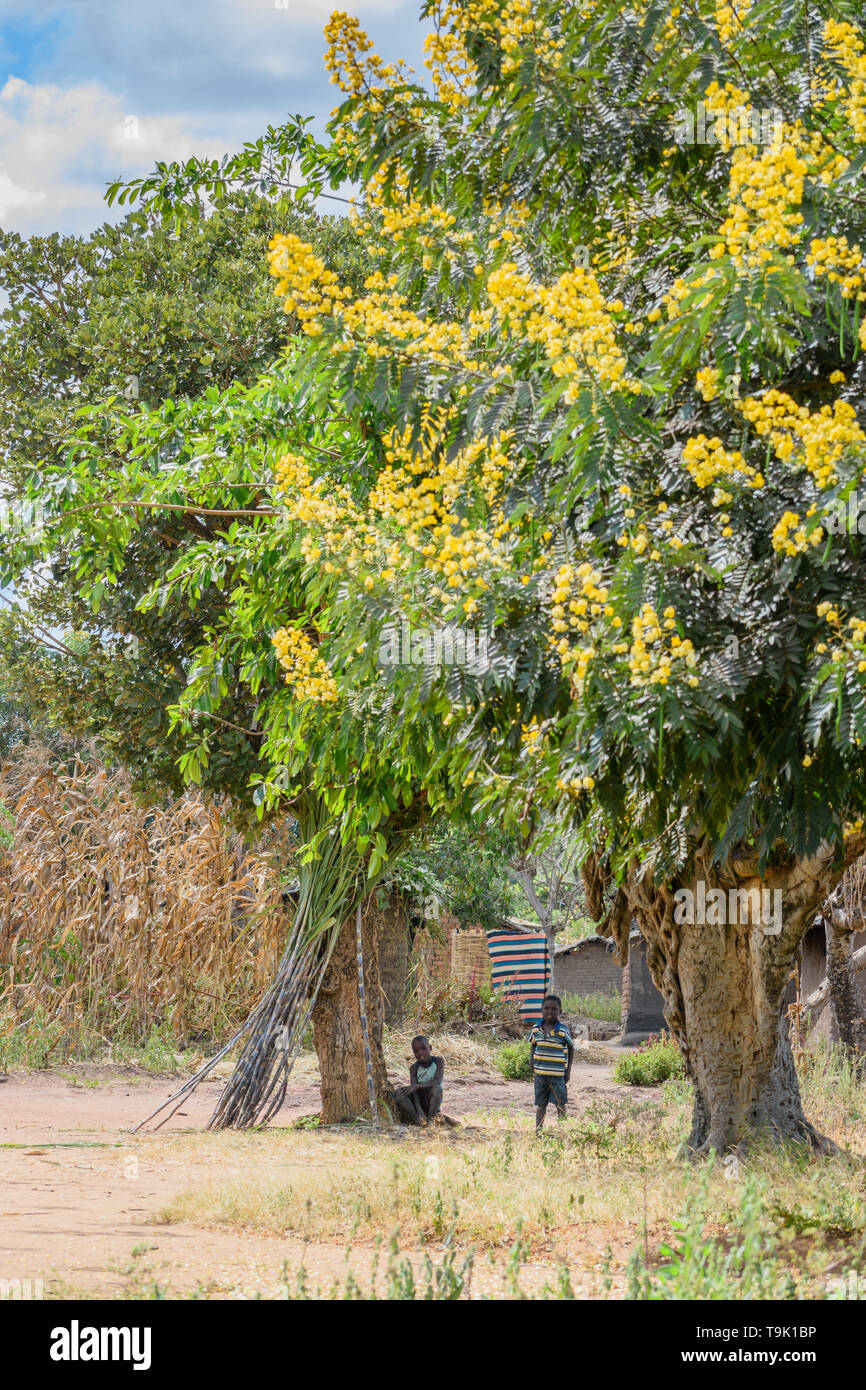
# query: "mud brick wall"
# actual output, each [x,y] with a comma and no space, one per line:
[588,969]
[432,956]
[643,1013]
[392,928]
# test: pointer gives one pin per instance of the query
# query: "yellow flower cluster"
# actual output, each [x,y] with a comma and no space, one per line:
[418,490]
[571,613]
[573,786]
[847,646]
[353,66]
[582,617]
[382,320]
[517,27]
[790,538]
[844,44]
[393,216]
[707,382]
[306,287]
[379,320]
[411,216]
[645,540]
[306,672]
[451,68]
[293,473]
[511,23]
[825,163]
[730,19]
[423,493]
[577,332]
[678,292]
[764,200]
[817,439]
[731,106]
[843,264]
[579,598]
[571,320]
[512,294]
[707,460]
[657,651]
[326,514]
[531,736]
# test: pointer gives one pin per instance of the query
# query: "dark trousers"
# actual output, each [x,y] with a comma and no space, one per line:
[426,1101]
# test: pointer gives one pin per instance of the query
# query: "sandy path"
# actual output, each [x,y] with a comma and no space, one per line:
[78,1192]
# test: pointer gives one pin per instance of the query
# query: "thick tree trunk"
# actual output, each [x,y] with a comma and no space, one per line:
[722,984]
[550,933]
[732,1036]
[338,1032]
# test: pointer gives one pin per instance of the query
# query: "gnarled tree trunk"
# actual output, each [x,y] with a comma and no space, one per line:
[722,983]
[338,1032]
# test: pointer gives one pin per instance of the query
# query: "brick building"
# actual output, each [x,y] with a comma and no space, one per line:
[642,1004]
[587,967]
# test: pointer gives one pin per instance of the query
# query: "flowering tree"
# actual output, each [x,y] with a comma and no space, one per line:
[613,348]
[158,547]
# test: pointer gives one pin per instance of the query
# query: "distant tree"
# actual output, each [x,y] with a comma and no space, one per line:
[465,869]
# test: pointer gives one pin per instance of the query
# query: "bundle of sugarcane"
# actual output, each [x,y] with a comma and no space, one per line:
[329,881]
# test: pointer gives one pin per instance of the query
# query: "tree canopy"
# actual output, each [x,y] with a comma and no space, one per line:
[622,372]
[582,398]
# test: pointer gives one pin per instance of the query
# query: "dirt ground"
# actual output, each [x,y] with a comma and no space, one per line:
[80,1194]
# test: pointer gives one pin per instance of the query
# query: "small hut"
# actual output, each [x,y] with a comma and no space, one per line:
[587,967]
[642,1005]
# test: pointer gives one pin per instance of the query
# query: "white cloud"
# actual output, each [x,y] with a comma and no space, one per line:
[60,146]
[11,197]
[201,76]
[315,10]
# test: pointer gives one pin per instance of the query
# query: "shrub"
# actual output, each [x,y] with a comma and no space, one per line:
[594,1005]
[655,1061]
[512,1059]
[469,1008]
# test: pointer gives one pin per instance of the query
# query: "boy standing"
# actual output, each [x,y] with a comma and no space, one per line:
[551,1053]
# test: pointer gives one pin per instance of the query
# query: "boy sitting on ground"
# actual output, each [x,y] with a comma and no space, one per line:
[420,1102]
[551,1053]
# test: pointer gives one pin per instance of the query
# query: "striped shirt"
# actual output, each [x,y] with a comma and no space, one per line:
[551,1050]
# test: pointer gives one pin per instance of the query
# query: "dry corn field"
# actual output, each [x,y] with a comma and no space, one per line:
[118,919]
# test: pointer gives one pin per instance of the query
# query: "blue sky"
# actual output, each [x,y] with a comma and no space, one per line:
[197,76]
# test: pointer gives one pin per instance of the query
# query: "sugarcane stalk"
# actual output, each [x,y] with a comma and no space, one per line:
[365,1025]
[275,1029]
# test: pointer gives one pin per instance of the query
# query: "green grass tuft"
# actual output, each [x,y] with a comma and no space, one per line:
[512,1059]
[654,1062]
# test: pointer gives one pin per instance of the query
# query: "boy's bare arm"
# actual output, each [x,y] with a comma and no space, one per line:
[570,1059]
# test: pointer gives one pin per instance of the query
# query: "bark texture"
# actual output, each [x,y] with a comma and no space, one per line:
[338,1031]
[550,935]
